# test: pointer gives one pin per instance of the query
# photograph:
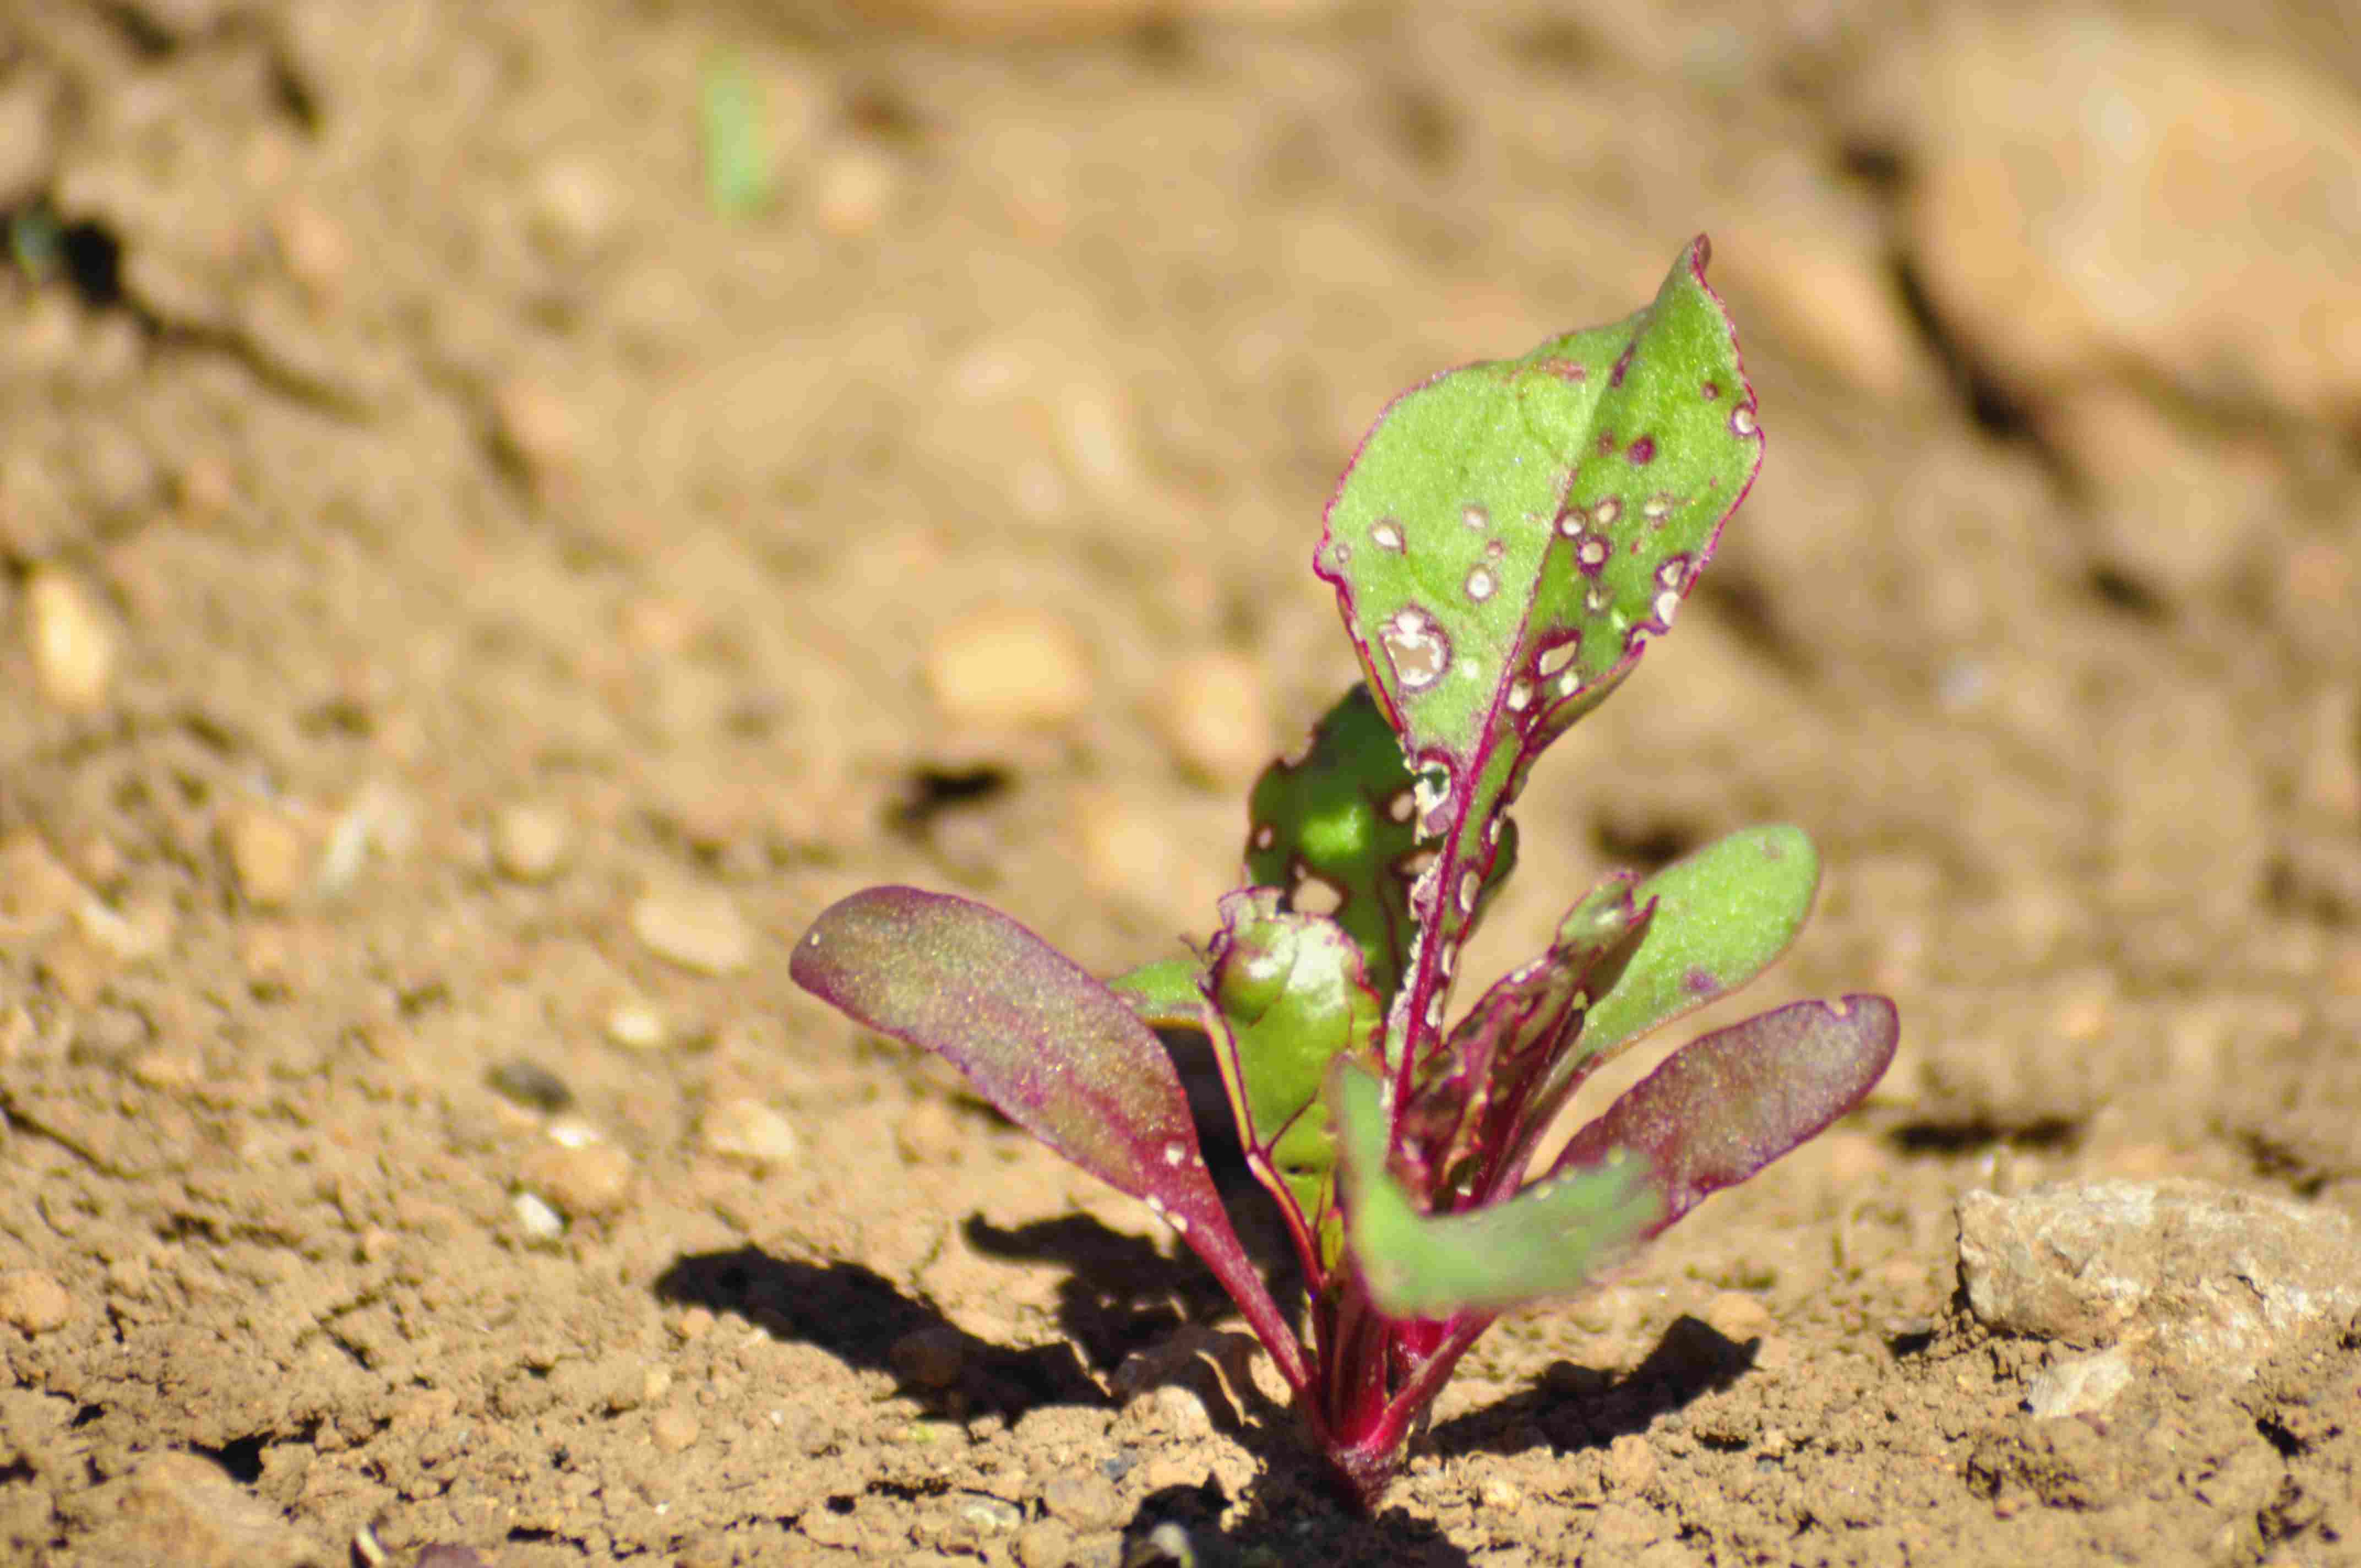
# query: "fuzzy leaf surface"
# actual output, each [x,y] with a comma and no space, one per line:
[1331,827]
[1550,1240]
[1507,540]
[1728,1103]
[1054,1050]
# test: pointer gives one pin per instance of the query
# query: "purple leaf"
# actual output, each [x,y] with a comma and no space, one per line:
[1725,1105]
[1056,1050]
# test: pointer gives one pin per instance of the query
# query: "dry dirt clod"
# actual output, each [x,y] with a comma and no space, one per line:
[2184,1273]
[751,1131]
[34,1301]
[591,1181]
[529,842]
[1211,713]
[673,1430]
[267,852]
[73,646]
[699,928]
[1009,667]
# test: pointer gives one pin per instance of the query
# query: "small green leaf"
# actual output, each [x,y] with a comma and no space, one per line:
[1331,828]
[1723,915]
[1552,1239]
[1165,994]
[1291,997]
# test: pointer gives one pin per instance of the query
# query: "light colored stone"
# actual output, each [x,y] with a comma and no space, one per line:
[2099,190]
[748,1130]
[269,852]
[638,1024]
[34,1301]
[1737,1316]
[853,189]
[536,432]
[1009,666]
[699,928]
[2182,1273]
[73,646]
[1211,713]
[36,892]
[2080,1384]
[588,1180]
[1631,1463]
[672,1429]
[530,841]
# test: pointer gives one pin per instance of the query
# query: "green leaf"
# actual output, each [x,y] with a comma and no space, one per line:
[1291,996]
[1552,1239]
[1165,994]
[1724,914]
[1506,542]
[1331,828]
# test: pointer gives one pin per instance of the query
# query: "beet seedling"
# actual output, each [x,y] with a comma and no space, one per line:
[1503,546]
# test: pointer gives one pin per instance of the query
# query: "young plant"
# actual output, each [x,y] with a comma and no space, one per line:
[1503,546]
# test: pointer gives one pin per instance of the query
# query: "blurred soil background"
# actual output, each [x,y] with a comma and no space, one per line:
[508,510]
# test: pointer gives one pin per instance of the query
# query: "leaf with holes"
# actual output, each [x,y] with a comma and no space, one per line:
[1506,542]
[1331,827]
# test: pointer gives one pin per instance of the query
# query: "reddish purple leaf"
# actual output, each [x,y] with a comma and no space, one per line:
[1724,1106]
[1056,1050]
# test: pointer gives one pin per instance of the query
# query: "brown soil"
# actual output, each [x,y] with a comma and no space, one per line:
[443,468]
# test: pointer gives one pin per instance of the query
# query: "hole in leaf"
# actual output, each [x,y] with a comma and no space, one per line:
[1417,648]
[1316,896]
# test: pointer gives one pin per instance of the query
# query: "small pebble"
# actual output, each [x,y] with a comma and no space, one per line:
[855,188]
[36,889]
[34,1301]
[536,431]
[1735,1316]
[591,1181]
[1213,717]
[698,928]
[1084,1501]
[1009,666]
[267,852]
[748,1130]
[1631,1463]
[539,1221]
[529,842]
[637,1025]
[73,647]
[990,1515]
[533,1085]
[672,1429]
[1045,1543]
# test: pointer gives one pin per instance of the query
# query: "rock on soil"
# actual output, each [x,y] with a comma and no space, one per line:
[2186,1274]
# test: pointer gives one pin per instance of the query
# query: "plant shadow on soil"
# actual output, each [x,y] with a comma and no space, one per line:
[1121,1295]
